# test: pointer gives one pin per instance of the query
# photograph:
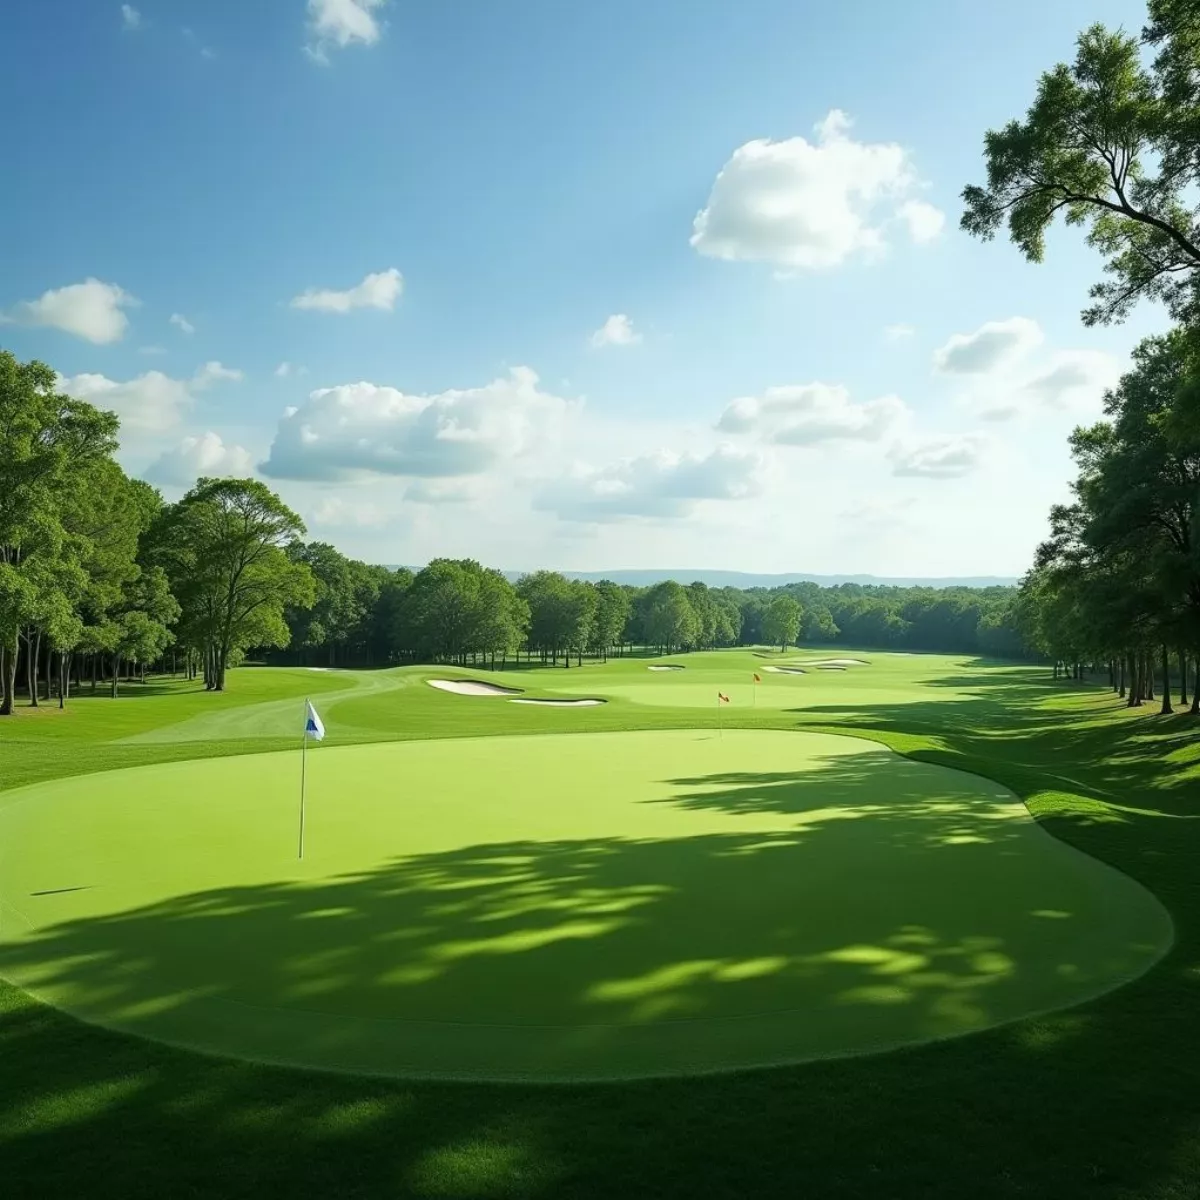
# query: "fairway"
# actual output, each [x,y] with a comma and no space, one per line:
[596,905]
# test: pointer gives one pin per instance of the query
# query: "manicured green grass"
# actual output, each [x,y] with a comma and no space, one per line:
[555,907]
[1098,1100]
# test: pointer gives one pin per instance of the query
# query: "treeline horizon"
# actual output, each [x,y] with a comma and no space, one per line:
[102,579]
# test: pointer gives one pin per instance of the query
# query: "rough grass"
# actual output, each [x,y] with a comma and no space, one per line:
[1097,1101]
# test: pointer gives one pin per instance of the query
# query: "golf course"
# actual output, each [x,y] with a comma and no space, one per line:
[660,887]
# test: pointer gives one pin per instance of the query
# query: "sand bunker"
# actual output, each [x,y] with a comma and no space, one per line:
[666,667]
[472,687]
[829,667]
[786,670]
[561,703]
[838,662]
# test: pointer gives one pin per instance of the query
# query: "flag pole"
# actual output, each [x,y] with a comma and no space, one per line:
[303,770]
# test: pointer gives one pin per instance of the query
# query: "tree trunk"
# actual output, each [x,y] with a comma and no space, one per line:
[33,646]
[1183,696]
[1121,679]
[1166,686]
[8,677]
[1195,686]
[1135,681]
[116,671]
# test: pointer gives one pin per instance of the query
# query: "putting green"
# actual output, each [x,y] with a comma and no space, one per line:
[561,906]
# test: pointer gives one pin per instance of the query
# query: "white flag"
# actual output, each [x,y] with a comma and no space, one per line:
[312,723]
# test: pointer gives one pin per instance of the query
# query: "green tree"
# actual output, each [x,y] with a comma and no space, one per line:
[781,622]
[1109,142]
[47,442]
[224,546]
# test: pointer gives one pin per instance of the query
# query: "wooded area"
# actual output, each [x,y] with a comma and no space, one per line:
[1109,142]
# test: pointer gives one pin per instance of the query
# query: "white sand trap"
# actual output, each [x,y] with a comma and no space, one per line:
[472,687]
[318,668]
[561,703]
[839,662]
[786,670]
[666,667]
[828,667]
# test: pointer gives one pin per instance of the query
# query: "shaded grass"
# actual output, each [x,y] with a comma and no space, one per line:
[1099,1101]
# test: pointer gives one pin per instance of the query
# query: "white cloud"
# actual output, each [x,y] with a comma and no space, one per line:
[1008,378]
[380,290]
[660,485]
[923,220]
[336,513]
[360,429]
[182,323]
[196,457]
[945,457]
[151,403]
[341,23]
[1076,379]
[130,17]
[994,345]
[215,372]
[90,310]
[440,491]
[812,413]
[808,205]
[616,331]
[898,333]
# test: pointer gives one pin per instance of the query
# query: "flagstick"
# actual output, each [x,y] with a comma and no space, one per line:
[303,769]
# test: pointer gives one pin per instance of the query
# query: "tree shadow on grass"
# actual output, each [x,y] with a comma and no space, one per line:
[1098,1103]
[865,903]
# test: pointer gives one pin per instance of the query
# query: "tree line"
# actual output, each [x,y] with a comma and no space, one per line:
[1111,142]
[102,579]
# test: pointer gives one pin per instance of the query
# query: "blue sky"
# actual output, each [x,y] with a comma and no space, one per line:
[470,193]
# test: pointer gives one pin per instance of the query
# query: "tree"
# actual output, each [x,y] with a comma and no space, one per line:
[1109,143]
[47,442]
[225,549]
[669,620]
[781,622]
[613,606]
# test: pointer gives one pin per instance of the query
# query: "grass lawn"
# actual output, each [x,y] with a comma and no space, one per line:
[679,919]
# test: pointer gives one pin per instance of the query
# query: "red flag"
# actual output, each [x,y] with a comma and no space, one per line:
[722,698]
[756,678]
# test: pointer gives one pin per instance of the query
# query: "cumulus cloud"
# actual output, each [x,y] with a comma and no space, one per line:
[341,23]
[380,290]
[334,512]
[1009,374]
[215,372]
[994,345]
[182,323]
[360,429]
[91,310]
[923,220]
[616,331]
[812,413]
[660,485]
[195,457]
[130,17]
[1075,379]
[946,457]
[440,491]
[808,205]
[151,403]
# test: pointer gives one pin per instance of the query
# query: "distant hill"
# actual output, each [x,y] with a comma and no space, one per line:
[740,579]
